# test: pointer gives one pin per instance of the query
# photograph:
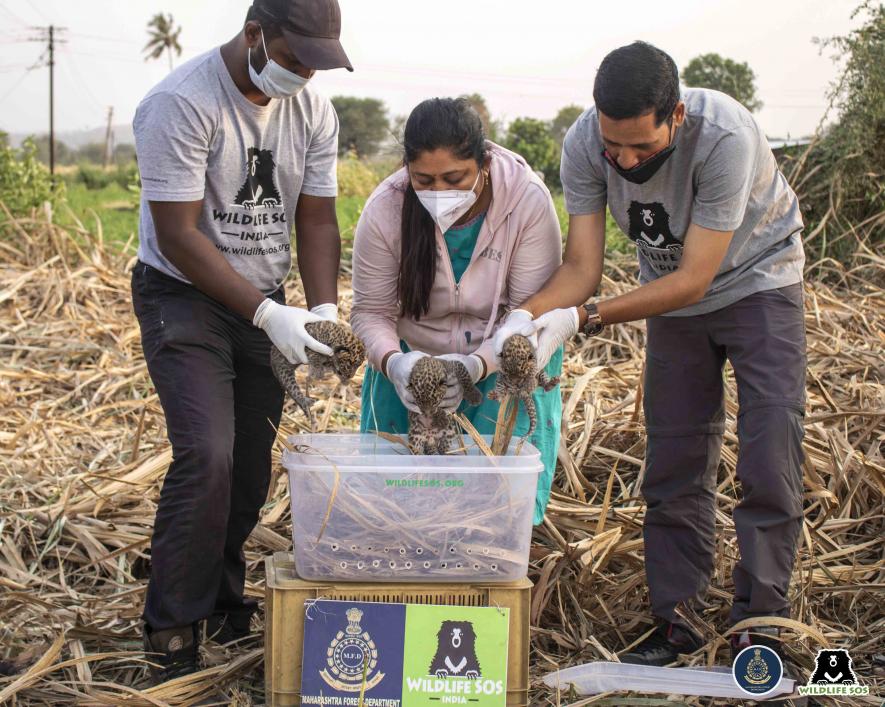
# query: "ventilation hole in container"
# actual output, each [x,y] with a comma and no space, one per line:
[369,549]
[419,551]
[360,565]
[494,567]
[485,551]
[353,548]
[376,563]
[475,566]
[443,564]
[408,565]
[386,549]
[427,565]
[392,564]
[334,547]
[343,565]
[469,551]
[452,549]
[402,551]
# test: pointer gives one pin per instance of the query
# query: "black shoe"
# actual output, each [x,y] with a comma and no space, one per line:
[173,652]
[663,646]
[769,636]
[227,628]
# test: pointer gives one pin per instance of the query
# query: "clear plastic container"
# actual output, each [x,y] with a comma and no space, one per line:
[602,676]
[365,509]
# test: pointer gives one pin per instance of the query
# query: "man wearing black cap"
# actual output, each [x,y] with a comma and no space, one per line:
[234,149]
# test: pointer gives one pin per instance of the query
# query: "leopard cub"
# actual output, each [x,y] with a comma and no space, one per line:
[348,354]
[519,376]
[433,430]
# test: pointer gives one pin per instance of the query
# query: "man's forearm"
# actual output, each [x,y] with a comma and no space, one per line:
[570,285]
[197,258]
[660,296]
[319,254]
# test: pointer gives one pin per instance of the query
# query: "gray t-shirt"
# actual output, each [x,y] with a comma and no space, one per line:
[722,176]
[198,137]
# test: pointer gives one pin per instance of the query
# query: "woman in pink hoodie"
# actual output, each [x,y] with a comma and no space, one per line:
[445,247]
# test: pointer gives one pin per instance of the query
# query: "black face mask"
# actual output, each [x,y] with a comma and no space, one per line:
[645,170]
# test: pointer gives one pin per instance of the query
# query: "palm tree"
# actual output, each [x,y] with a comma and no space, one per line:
[163,37]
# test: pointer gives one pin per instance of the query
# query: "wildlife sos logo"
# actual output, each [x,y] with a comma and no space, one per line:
[455,655]
[259,189]
[256,213]
[649,228]
[833,676]
[455,651]
[757,670]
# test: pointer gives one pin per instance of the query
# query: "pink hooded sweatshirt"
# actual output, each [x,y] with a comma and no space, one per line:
[518,248]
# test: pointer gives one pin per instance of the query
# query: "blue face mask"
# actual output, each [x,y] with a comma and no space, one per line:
[274,81]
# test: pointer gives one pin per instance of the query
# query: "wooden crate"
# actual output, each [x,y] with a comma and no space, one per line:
[284,621]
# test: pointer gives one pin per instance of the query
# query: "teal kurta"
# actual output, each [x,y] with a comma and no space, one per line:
[382,410]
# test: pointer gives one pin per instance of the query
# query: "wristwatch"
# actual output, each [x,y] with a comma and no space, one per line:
[594,324]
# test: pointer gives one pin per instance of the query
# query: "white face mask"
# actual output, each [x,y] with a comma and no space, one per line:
[448,205]
[274,81]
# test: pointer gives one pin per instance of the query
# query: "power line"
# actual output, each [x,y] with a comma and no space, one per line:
[37,10]
[12,15]
[14,86]
[73,72]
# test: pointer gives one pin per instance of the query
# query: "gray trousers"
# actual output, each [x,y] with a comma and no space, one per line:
[763,336]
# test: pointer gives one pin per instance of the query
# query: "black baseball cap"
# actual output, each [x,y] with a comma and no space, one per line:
[311,28]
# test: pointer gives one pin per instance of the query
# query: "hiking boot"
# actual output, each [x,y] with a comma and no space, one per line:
[227,628]
[173,652]
[769,636]
[663,646]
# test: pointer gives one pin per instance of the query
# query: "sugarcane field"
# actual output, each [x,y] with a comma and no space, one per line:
[385,355]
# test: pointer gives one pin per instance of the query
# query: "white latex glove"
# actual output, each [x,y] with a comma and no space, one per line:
[554,328]
[519,321]
[454,394]
[285,327]
[328,311]
[399,368]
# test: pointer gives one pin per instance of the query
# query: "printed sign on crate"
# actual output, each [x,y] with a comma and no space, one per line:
[401,655]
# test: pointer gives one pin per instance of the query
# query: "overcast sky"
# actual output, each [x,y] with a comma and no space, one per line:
[526,58]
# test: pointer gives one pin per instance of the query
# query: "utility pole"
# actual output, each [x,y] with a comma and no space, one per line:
[50,35]
[52,100]
[109,139]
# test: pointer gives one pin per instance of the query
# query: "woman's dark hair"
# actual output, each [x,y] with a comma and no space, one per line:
[437,122]
[634,80]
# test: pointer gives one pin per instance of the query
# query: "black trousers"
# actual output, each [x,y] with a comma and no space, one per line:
[211,369]
[763,336]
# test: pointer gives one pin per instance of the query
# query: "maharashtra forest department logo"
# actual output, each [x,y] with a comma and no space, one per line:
[259,189]
[833,675]
[352,658]
[757,670]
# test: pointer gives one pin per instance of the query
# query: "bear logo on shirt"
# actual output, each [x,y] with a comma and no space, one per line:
[259,189]
[650,225]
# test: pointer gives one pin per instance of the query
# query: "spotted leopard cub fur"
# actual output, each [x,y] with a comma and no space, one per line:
[348,353]
[519,376]
[434,431]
